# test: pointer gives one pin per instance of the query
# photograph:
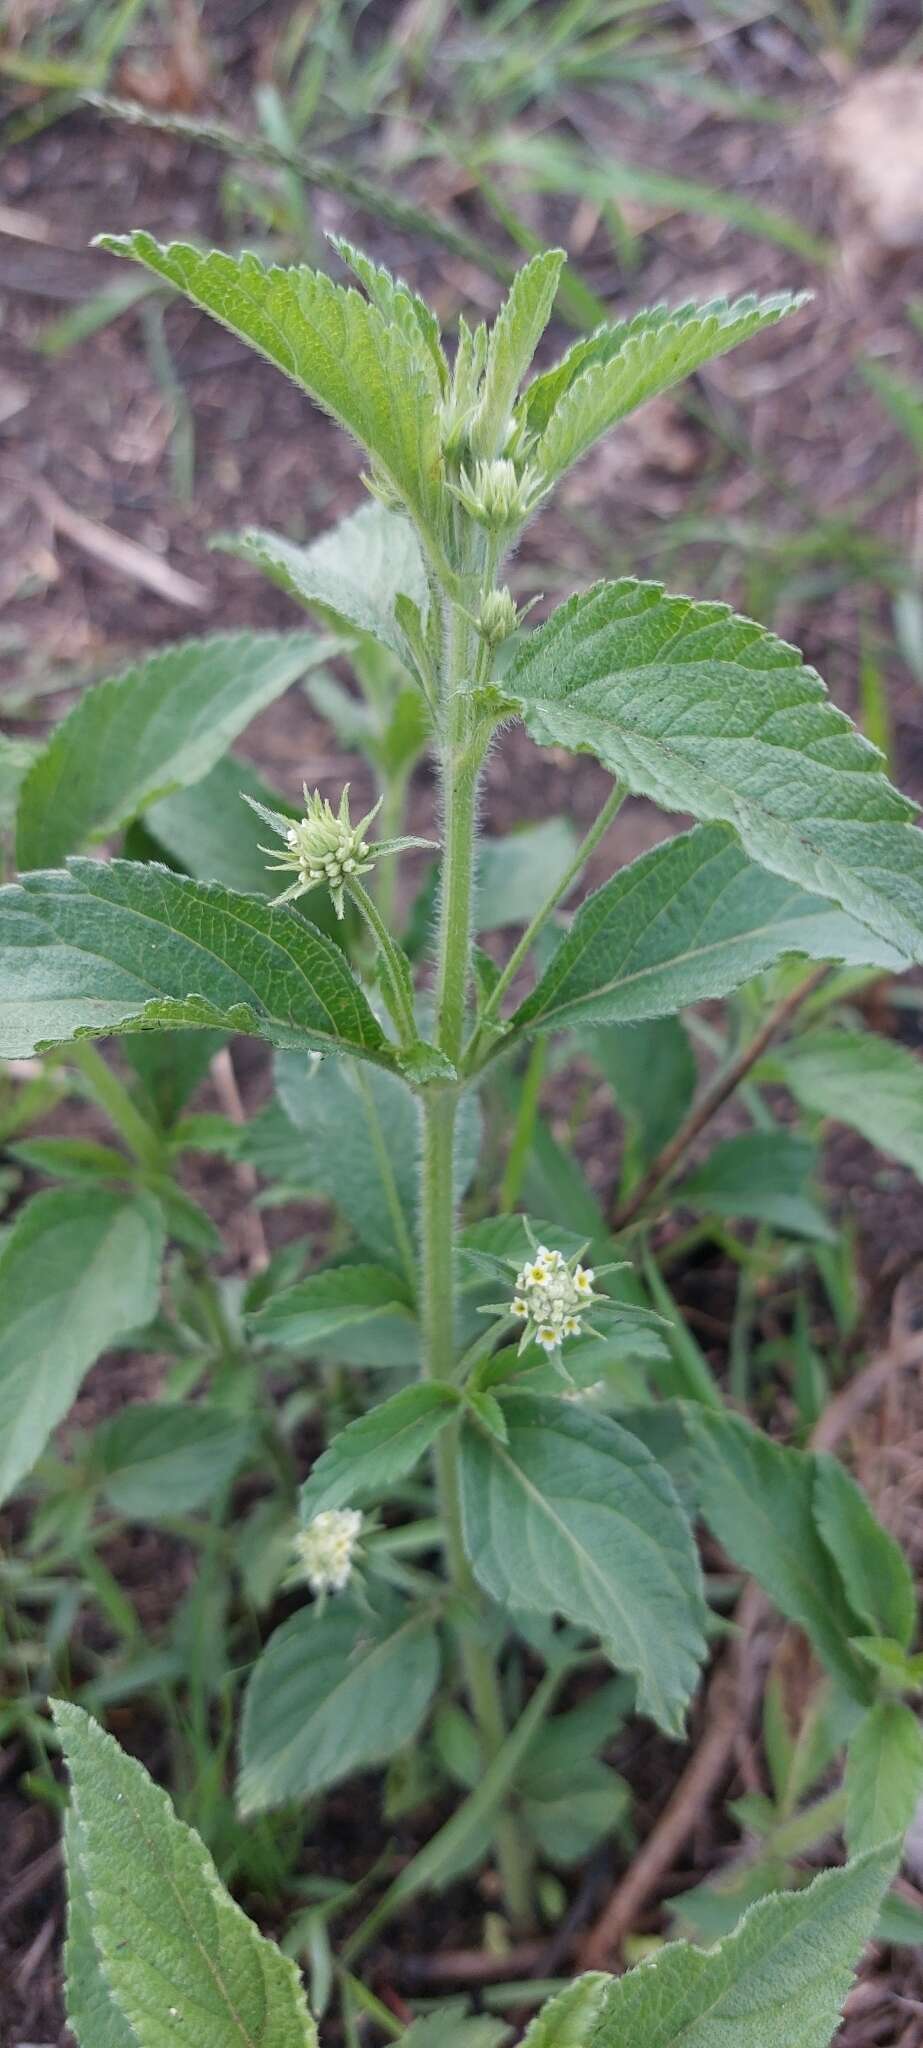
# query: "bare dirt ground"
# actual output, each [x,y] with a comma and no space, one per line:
[86,455]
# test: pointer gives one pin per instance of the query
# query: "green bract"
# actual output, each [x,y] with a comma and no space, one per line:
[515,1509]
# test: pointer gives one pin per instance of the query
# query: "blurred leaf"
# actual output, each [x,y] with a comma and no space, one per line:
[516,874]
[158,1459]
[652,1072]
[332,1693]
[158,726]
[884,1775]
[758,1498]
[765,1176]
[877,1577]
[870,1083]
[79,1269]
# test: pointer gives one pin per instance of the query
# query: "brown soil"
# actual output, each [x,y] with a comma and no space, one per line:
[95,427]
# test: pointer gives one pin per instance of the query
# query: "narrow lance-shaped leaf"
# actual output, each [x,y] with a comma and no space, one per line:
[884,1775]
[873,1568]
[119,946]
[79,1269]
[689,920]
[758,1497]
[377,1449]
[159,726]
[572,1515]
[618,368]
[179,1958]
[356,571]
[337,1298]
[706,712]
[356,364]
[779,1981]
[514,338]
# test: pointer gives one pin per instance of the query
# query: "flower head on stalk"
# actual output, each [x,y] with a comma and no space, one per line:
[326,1548]
[324,847]
[550,1297]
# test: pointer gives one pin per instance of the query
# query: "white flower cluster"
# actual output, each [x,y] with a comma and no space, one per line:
[550,1297]
[325,1549]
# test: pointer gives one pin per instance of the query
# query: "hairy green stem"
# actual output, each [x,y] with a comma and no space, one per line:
[562,887]
[462,754]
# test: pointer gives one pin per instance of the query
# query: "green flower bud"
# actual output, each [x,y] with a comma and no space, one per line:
[499,496]
[498,616]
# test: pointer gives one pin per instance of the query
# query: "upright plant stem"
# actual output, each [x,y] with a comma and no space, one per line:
[462,755]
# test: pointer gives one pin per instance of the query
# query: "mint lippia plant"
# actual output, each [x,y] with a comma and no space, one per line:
[557,1523]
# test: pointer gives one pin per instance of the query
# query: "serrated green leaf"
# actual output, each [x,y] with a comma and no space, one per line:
[569,2020]
[376,1450]
[884,1775]
[118,946]
[691,919]
[876,1575]
[706,712]
[573,1516]
[158,726]
[166,1458]
[618,368]
[763,1175]
[79,1269]
[332,1693]
[396,301]
[514,338]
[93,2016]
[870,1083]
[337,1298]
[355,572]
[778,1981]
[332,342]
[758,1499]
[179,1958]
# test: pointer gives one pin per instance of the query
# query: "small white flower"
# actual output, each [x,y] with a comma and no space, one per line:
[550,1295]
[325,1549]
